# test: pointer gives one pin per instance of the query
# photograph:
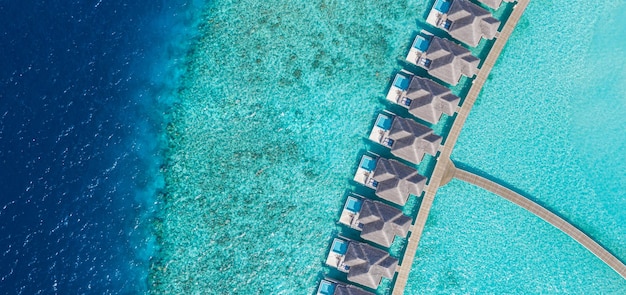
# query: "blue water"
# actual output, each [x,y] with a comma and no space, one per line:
[87,89]
[84,86]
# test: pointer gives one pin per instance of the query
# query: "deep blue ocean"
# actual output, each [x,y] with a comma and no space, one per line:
[84,89]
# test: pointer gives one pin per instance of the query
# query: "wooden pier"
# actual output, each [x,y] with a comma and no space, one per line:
[442,170]
[546,215]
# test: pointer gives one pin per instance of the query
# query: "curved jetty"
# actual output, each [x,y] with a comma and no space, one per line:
[546,215]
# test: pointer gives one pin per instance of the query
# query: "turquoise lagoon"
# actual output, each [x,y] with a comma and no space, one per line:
[273,114]
[274,108]
[551,123]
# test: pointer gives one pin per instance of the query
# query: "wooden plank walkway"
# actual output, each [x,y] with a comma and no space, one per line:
[443,162]
[546,215]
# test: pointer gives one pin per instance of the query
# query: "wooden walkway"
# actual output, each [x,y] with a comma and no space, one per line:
[443,163]
[546,215]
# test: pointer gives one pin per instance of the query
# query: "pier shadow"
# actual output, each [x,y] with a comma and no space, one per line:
[430,5]
[527,195]
[497,180]
[318,278]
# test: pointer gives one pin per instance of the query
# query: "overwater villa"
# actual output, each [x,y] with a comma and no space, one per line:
[463,20]
[392,180]
[364,264]
[495,4]
[406,138]
[378,222]
[332,287]
[442,58]
[424,98]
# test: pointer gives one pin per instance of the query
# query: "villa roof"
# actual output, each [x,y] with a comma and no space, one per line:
[344,289]
[381,222]
[412,140]
[495,4]
[470,22]
[368,265]
[429,100]
[397,181]
[449,60]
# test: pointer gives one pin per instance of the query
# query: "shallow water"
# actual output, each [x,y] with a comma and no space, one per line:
[549,123]
[274,111]
[275,104]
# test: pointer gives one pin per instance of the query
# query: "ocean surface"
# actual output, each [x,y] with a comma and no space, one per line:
[84,90]
[195,147]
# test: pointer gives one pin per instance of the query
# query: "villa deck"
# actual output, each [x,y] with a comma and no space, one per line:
[337,254]
[400,84]
[437,14]
[420,45]
[350,212]
[365,172]
[381,128]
